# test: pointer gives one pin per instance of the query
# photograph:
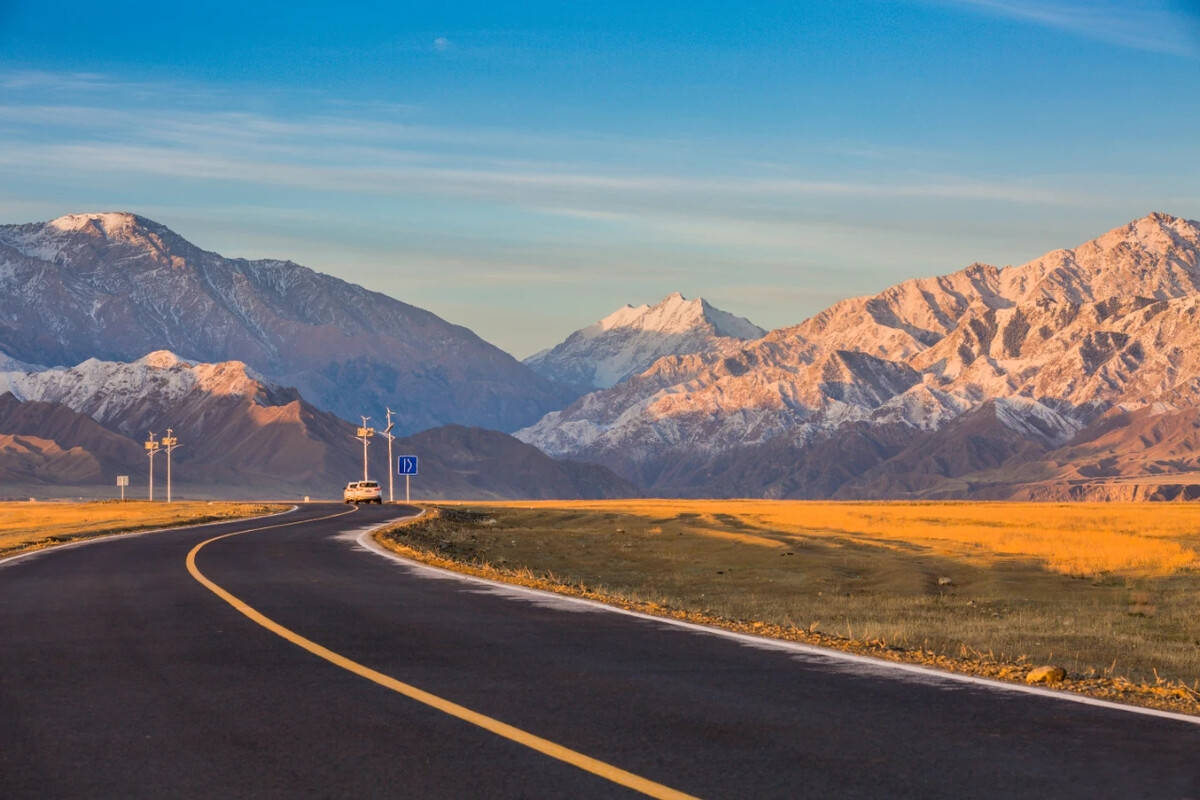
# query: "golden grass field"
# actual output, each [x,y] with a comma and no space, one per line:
[1070,538]
[1104,590]
[28,526]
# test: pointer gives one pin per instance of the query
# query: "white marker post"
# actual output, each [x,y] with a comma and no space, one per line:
[122,482]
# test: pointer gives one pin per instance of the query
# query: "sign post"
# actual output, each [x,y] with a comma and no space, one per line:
[122,481]
[407,466]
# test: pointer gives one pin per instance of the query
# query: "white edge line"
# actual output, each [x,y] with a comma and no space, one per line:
[367,540]
[7,560]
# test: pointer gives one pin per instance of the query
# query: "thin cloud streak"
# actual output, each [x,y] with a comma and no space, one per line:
[343,153]
[109,157]
[1132,25]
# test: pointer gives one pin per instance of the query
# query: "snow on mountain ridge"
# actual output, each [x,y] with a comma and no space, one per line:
[107,391]
[102,222]
[676,314]
[10,364]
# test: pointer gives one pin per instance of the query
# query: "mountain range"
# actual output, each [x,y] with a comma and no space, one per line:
[1076,375]
[242,436]
[929,387]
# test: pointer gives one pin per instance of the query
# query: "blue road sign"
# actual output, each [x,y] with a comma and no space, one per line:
[406,465]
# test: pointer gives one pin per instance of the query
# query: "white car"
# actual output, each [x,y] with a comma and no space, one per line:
[362,492]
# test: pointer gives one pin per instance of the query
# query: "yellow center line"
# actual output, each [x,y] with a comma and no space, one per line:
[544,746]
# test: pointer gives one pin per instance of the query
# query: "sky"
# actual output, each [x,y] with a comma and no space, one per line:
[526,168]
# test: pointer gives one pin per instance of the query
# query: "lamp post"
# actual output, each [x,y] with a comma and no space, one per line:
[170,442]
[365,434]
[391,464]
[151,448]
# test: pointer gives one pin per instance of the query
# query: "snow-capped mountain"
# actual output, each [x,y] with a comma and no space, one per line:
[242,435]
[129,397]
[116,286]
[234,426]
[1048,347]
[632,338]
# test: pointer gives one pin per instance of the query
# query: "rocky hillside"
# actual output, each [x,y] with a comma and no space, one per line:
[630,339]
[460,463]
[241,436]
[116,286]
[47,443]
[1008,360]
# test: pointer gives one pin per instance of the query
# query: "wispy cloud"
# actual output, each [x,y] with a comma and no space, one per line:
[1153,26]
[393,158]
[61,81]
[350,150]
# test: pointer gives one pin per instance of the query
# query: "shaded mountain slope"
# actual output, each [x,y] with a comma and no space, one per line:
[475,464]
[115,286]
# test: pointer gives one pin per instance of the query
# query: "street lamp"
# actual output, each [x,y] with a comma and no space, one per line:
[365,434]
[391,464]
[151,449]
[170,442]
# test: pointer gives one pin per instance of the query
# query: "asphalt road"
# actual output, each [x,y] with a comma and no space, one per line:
[121,675]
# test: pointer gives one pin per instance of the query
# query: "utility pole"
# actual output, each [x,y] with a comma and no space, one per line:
[365,434]
[391,464]
[151,449]
[170,442]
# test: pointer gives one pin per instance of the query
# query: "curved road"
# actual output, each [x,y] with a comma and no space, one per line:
[121,675]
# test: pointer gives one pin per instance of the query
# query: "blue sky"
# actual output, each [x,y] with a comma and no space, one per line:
[526,168]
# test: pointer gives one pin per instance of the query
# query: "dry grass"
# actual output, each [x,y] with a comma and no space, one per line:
[1109,592]
[1069,538]
[29,526]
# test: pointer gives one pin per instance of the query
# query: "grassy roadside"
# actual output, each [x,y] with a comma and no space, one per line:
[1111,594]
[34,526]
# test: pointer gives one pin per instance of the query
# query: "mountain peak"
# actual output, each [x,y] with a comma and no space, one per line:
[1162,217]
[103,223]
[632,338]
[161,359]
[1156,231]
[675,314]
